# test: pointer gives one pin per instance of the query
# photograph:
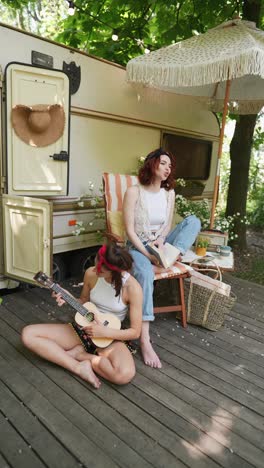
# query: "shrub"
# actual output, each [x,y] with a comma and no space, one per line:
[201,209]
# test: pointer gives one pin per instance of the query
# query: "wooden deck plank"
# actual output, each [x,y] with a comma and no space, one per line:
[212,428]
[147,420]
[39,311]
[204,338]
[215,365]
[203,409]
[205,345]
[215,451]
[197,398]
[141,421]
[14,448]
[34,433]
[62,428]
[198,370]
[3,461]
[172,368]
[151,450]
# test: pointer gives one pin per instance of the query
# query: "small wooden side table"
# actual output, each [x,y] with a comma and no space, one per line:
[224,263]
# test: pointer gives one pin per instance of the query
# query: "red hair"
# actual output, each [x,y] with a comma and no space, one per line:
[146,174]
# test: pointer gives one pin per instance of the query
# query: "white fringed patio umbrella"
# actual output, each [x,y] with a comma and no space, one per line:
[223,67]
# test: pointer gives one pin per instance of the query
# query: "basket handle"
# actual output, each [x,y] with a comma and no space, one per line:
[215,270]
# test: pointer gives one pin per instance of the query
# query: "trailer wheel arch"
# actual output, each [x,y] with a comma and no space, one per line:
[81,260]
[58,268]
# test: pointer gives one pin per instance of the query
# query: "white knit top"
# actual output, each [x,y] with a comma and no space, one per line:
[143,227]
[103,296]
[157,206]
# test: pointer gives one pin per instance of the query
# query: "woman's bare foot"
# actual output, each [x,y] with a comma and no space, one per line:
[159,269]
[150,358]
[85,371]
[75,351]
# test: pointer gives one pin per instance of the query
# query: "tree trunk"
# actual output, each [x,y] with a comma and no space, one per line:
[240,148]
[240,152]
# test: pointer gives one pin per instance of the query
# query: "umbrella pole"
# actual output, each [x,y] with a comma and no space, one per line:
[219,154]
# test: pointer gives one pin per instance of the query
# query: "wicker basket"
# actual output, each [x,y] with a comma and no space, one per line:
[206,307]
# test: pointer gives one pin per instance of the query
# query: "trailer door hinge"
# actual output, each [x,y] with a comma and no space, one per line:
[46,243]
[3,183]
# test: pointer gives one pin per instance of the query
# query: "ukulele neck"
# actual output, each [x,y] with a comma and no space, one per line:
[73,302]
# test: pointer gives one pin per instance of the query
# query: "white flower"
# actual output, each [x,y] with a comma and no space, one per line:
[180,182]
[81,203]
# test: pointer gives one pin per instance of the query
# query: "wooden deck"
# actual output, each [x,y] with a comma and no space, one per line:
[203,409]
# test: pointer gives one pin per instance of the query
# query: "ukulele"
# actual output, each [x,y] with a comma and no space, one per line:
[84,312]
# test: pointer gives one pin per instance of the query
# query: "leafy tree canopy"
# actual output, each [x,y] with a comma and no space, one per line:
[139,24]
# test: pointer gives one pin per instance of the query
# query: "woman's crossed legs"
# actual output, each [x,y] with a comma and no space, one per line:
[60,344]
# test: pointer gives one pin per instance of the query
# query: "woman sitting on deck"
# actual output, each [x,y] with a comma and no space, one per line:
[111,288]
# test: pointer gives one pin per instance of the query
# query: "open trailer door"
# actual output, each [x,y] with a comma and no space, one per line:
[37,130]
[27,237]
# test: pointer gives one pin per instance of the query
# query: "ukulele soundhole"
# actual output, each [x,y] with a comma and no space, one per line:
[106,323]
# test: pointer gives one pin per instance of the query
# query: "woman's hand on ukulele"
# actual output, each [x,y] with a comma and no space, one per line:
[96,330]
[58,298]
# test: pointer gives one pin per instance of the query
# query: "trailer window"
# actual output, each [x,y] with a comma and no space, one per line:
[193,156]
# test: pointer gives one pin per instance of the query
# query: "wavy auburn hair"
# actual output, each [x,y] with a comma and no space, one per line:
[146,173]
[119,257]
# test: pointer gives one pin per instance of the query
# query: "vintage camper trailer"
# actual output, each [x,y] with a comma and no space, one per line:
[106,127]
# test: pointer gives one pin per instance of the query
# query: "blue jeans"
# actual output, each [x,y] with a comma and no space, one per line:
[182,237]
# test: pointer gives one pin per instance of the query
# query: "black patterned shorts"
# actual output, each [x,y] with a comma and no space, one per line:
[87,343]
[89,346]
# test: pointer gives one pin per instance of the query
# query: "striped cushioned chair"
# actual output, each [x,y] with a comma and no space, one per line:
[115,186]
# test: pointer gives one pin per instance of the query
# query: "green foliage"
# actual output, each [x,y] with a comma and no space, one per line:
[255,200]
[256,214]
[139,24]
[41,17]
[258,137]
[17,4]
[203,242]
[228,224]
[201,209]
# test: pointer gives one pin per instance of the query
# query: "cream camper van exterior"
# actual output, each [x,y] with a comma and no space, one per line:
[107,127]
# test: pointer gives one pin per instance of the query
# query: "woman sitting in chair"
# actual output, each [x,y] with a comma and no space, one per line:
[111,288]
[148,212]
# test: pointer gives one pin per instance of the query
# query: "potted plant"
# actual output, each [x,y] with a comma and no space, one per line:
[201,246]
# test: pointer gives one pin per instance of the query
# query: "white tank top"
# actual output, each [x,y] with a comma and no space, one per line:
[157,208]
[103,296]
